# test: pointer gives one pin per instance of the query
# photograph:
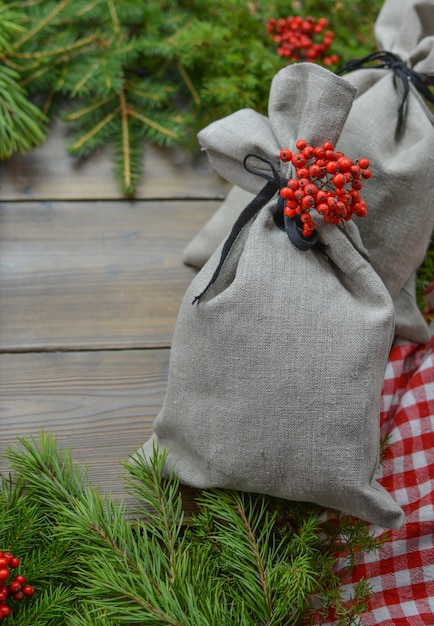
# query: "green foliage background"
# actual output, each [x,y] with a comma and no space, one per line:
[242,559]
[125,71]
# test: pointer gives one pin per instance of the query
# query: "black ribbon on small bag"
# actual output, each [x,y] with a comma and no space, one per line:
[407,75]
[292,226]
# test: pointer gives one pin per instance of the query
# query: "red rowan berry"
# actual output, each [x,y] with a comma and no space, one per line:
[356,184]
[338,180]
[315,171]
[308,202]
[366,174]
[300,144]
[289,212]
[344,164]
[302,172]
[319,152]
[311,189]
[286,192]
[322,208]
[298,159]
[285,155]
[331,167]
[363,163]
[308,152]
[28,590]
[355,171]
[15,586]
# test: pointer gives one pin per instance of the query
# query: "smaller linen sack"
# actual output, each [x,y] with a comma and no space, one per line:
[392,125]
[279,351]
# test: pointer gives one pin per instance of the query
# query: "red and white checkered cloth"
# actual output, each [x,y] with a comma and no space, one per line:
[402,572]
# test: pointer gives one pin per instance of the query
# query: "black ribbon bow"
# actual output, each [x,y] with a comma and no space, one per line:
[389,60]
[292,226]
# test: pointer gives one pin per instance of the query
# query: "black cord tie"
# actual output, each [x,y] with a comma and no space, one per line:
[389,60]
[292,226]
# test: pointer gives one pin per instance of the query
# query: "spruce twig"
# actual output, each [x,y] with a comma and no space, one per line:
[242,559]
[183,55]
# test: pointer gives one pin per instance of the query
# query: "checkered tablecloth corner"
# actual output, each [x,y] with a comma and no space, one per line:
[401,574]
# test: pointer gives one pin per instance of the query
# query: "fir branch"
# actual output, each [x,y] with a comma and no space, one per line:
[55,52]
[186,78]
[126,151]
[243,559]
[71,117]
[19,129]
[153,124]
[43,23]
[78,145]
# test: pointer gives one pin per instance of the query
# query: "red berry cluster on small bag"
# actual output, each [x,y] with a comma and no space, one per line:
[17,588]
[325,180]
[302,39]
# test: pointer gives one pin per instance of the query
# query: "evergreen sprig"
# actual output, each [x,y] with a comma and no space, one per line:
[130,71]
[241,559]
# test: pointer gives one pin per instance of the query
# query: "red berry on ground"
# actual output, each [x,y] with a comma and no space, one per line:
[15,586]
[28,590]
[364,163]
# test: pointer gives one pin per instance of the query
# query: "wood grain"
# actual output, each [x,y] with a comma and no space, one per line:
[49,173]
[94,275]
[90,287]
[101,404]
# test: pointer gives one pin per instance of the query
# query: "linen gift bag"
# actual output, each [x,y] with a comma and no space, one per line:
[398,141]
[392,125]
[281,343]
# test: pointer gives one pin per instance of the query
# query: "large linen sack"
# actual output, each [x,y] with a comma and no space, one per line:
[276,371]
[397,135]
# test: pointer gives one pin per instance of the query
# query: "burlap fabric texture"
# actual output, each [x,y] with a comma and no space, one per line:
[276,373]
[400,219]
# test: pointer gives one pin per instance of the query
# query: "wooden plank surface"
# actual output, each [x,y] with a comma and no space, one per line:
[90,287]
[100,404]
[93,275]
[48,173]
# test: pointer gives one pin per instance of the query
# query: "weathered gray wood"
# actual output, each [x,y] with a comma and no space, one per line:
[92,275]
[49,173]
[101,404]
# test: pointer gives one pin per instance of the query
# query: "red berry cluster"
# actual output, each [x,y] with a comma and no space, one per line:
[325,180]
[302,39]
[17,588]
